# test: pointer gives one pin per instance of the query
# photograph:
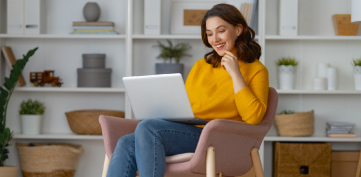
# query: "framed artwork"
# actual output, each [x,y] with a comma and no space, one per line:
[187,15]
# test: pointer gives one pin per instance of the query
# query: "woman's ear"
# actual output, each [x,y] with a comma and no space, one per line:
[239,29]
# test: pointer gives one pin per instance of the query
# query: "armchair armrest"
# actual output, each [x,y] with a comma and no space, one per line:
[113,128]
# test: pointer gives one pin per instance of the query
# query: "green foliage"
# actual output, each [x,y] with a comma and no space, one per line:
[357,62]
[287,112]
[169,52]
[32,107]
[287,61]
[5,94]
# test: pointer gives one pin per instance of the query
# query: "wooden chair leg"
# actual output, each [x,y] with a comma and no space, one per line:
[358,170]
[105,166]
[211,162]
[257,163]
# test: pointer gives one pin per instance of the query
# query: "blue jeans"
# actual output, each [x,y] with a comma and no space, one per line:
[145,149]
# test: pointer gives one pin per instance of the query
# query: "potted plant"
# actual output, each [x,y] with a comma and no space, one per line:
[5,94]
[357,73]
[286,72]
[168,53]
[31,114]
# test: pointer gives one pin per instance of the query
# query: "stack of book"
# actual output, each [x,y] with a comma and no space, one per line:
[249,12]
[102,28]
[340,130]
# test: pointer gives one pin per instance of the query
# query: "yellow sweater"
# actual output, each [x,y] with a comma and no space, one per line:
[210,91]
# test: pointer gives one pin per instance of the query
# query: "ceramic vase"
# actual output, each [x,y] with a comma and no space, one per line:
[31,124]
[286,77]
[91,12]
[357,77]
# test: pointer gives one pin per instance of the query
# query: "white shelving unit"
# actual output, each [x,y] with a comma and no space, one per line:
[133,53]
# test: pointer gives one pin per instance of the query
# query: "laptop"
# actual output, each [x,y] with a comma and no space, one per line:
[160,97]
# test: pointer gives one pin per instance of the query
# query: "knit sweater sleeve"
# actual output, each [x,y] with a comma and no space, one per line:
[252,100]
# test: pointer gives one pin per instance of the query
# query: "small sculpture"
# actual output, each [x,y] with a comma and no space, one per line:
[40,78]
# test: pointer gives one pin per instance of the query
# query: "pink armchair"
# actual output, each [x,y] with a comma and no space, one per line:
[225,147]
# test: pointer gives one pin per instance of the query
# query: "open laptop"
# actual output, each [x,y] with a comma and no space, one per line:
[160,96]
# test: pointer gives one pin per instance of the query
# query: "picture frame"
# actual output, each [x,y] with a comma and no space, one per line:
[195,10]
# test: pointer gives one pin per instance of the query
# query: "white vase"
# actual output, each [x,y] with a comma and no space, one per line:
[31,124]
[357,77]
[286,77]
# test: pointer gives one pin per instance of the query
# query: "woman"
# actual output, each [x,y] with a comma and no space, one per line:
[229,83]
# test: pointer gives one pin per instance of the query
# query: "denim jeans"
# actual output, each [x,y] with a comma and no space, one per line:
[145,149]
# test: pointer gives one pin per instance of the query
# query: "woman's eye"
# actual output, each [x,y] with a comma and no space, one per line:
[222,31]
[209,35]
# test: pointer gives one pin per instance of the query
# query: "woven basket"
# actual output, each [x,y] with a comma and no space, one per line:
[48,159]
[87,121]
[298,124]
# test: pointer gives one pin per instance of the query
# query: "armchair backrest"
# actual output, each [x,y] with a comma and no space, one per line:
[233,142]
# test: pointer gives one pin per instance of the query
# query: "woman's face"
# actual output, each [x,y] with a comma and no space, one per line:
[222,35]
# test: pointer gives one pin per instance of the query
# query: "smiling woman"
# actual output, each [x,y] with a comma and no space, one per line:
[230,19]
[228,83]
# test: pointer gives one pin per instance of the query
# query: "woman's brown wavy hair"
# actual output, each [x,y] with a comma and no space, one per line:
[248,50]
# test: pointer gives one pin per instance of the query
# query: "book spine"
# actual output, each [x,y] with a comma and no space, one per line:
[93,24]
[92,30]
[94,27]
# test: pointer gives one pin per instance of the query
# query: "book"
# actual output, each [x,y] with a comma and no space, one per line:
[339,124]
[338,130]
[10,59]
[342,135]
[92,30]
[93,27]
[254,21]
[97,33]
[93,23]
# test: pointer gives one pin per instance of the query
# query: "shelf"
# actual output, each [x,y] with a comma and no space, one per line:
[61,36]
[325,92]
[276,37]
[58,137]
[68,89]
[310,139]
[168,36]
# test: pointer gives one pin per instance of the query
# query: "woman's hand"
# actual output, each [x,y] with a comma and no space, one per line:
[230,63]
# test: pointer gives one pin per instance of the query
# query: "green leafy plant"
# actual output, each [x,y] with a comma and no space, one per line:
[287,112]
[357,62]
[287,61]
[173,51]
[32,107]
[5,93]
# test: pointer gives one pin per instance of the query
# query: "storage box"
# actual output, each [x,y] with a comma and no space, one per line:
[93,60]
[302,160]
[343,26]
[344,163]
[94,77]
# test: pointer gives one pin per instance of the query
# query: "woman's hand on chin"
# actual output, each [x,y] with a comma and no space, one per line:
[229,62]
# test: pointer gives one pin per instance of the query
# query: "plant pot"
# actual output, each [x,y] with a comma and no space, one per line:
[357,77]
[168,68]
[31,124]
[286,77]
[9,171]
